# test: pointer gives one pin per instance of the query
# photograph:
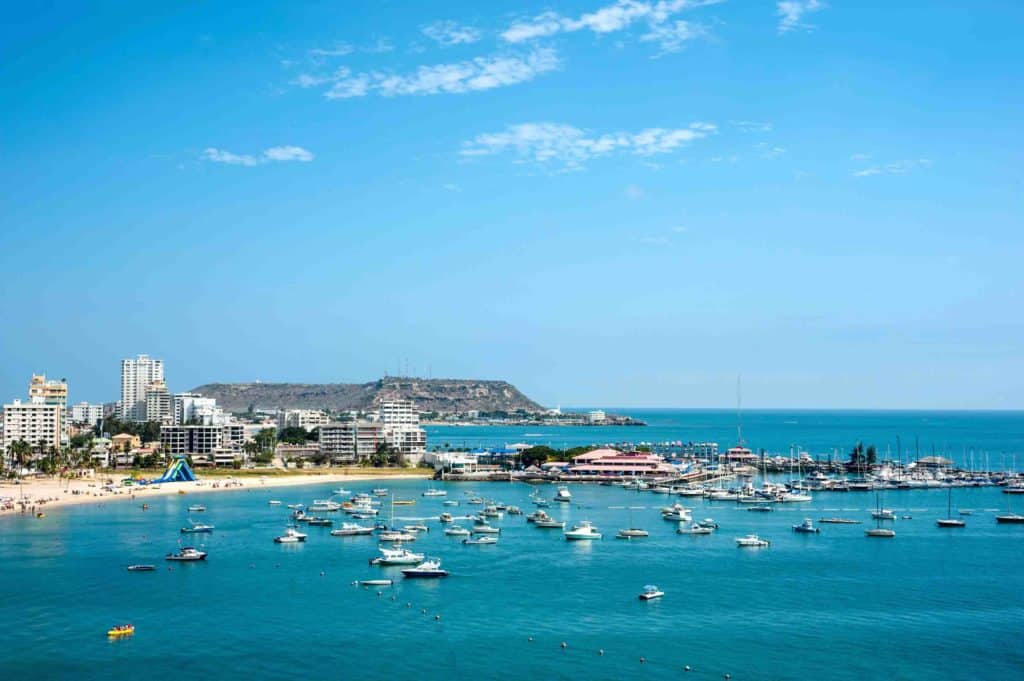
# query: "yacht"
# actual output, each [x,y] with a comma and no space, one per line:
[484,528]
[806,527]
[480,540]
[396,556]
[752,541]
[791,497]
[880,532]
[949,520]
[187,554]
[549,524]
[432,492]
[196,508]
[492,512]
[514,510]
[352,530]
[650,593]
[415,528]
[584,531]
[428,569]
[693,528]
[290,536]
[197,528]
[446,517]
[325,505]
[396,536]
[456,531]
[632,533]
[319,522]
[563,494]
[680,516]
[537,515]
[1010,519]
[690,491]
[709,523]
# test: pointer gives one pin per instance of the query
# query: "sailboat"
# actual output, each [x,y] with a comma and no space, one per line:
[949,520]
[879,515]
[631,532]
[1010,518]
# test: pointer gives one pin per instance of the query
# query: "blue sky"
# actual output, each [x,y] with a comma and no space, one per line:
[617,203]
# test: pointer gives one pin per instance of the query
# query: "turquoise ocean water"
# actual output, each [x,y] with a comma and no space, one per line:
[929,604]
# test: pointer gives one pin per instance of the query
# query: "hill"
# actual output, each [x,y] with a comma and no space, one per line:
[436,394]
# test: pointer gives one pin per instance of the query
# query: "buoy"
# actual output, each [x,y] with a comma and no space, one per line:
[686,667]
[600,651]
[322,573]
[563,645]
[530,639]
[642,660]
[437,618]
[423,611]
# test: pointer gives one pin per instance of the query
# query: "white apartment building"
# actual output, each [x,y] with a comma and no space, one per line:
[399,413]
[351,441]
[51,392]
[596,416]
[302,418]
[136,377]
[34,422]
[85,413]
[402,428]
[190,408]
[195,439]
[158,403]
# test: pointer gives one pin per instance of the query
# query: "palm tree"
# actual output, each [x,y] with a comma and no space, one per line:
[21,453]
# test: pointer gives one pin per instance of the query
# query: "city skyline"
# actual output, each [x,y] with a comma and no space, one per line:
[605,203]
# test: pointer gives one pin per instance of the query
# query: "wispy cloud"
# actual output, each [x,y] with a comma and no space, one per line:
[769,151]
[339,50]
[895,168]
[752,126]
[571,148]
[618,16]
[448,33]
[273,154]
[481,73]
[791,14]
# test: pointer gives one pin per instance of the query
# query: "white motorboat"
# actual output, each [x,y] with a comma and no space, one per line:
[376,582]
[883,514]
[274,502]
[480,540]
[450,502]
[433,492]
[650,593]
[456,531]
[690,491]
[883,532]
[491,512]
[563,494]
[396,536]
[196,508]
[380,492]
[806,527]
[341,492]
[290,536]
[446,518]
[678,516]
[584,531]
[549,524]
[693,528]
[428,569]
[325,505]
[396,556]
[415,528]
[197,528]
[484,528]
[514,510]
[352,530]
[752,541]
[186,554]
[632,533]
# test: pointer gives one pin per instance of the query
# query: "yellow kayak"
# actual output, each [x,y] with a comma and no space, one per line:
[118,632]
[404,502]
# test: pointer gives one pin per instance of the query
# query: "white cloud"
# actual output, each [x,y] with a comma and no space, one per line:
[752,126]
[482,73]
[791,14]
[273,154]
[571,147]
[339,50]
[895,168]
[449,33]
[769,151]
[617,16]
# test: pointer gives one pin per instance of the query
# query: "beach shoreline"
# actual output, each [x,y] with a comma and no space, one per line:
[42,495]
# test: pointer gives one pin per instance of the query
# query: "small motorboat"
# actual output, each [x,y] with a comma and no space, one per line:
[396,536]
[882,532]
[450,502]
[186,554]
[582,532]
[484,528]
[324,506]
[806,527]
[694,528]
[752,541]
[433,492]
[514,510]
[320,522]
[632,533]
[197,528]
[485,539]
[838,521]
[290,536]
[380,492]
[352,530]
[708,523]
[650,593]
[342,491]
[274,502]
[549,524]
[196,508]
[563,495]
[428,569]
[376,582]
[141,568]
[446,518]
[121,631]
[760,509]
[415,528]
[456,531]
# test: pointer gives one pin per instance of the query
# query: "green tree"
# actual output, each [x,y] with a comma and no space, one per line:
[293,435]
[871,456]
[266,439]
[535,456]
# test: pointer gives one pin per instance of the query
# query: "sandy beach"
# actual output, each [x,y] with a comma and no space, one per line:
[35,495]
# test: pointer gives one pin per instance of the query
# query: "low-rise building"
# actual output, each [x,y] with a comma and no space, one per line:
[125,442]
[84,413]
[351,441]
[613,463]
[302,418]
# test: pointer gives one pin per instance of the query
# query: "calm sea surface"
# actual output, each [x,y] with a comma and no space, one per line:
[929,604]
[999,436]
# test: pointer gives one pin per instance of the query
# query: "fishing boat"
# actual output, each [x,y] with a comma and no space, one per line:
[428,569]
[752,541]
[650,593]
[839,521]
[396,556]
[583,532]
[472,541]
[563,495]
[121,630]
[196,508]
[141,568]
[806,527]
[186,554]
[290,536]
[949,520]
[376,582]
[456,531]
[352,530]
